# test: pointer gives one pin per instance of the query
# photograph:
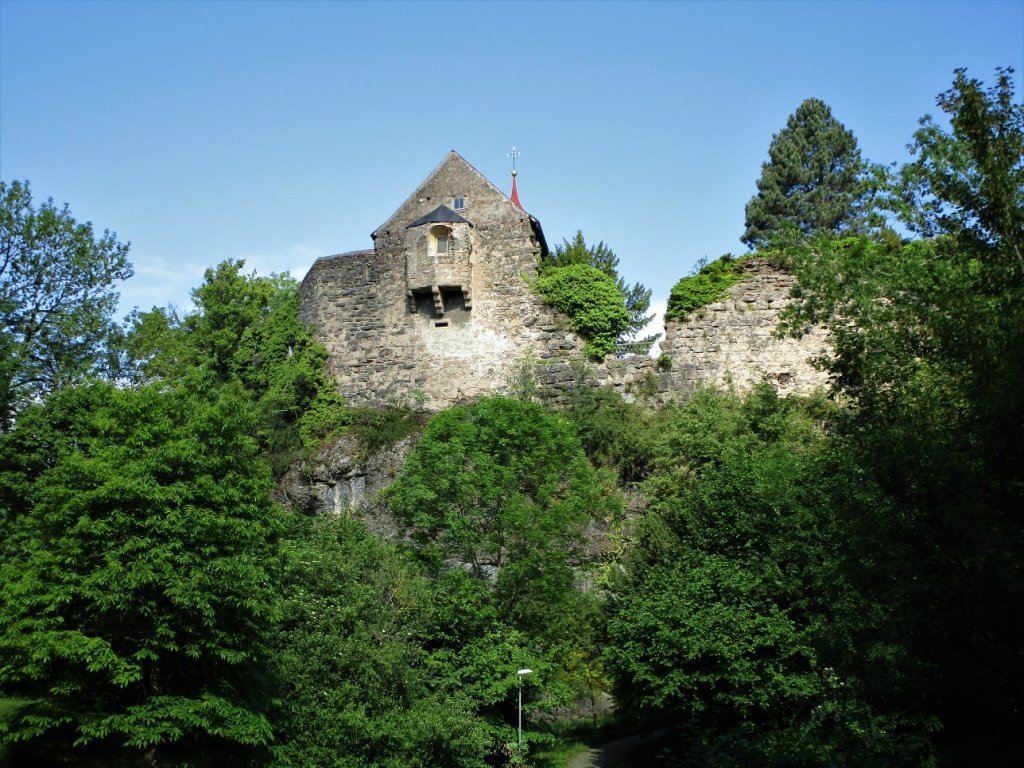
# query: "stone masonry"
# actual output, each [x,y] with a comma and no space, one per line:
[441,308]
[441,311]
[733,341]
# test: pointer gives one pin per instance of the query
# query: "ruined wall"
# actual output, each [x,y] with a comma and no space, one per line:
[381,352]
[733,341]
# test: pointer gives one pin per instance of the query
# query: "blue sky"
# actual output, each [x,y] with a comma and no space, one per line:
[280,132]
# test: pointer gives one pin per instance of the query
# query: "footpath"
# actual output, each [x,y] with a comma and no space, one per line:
[617,754]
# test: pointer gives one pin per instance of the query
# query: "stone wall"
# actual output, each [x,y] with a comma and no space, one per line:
[733,341]
[388,343]
[404,323]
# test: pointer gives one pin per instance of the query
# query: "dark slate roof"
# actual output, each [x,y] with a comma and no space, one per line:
[539,234]
[441,214]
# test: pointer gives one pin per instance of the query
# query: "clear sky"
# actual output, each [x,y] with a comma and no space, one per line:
[280,132]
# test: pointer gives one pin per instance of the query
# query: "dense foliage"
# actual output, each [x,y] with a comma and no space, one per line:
[733,621]
[615,435]
[705,286]
[134,592]
[245,329]
[591,300]
[830,580]
[814,181]
[57,298]
[503,488]
[351,659]
[495,498]
[927,342]
[637,298]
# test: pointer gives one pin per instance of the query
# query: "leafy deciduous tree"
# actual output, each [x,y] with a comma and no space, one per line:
[246,328]
[637,298]
[356,690]
[56,298]
[969,182]
[504,487]
[495,497]
[133,613]
[926,342]
[731,621]
[591,300]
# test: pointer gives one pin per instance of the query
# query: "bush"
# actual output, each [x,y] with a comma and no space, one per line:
[592,301]
[708,285]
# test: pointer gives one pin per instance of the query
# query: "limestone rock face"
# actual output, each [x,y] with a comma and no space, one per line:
[341,480]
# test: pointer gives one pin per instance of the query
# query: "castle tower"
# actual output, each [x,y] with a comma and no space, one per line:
[441,308]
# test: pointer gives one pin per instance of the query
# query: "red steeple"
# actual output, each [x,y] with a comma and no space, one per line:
[515,192]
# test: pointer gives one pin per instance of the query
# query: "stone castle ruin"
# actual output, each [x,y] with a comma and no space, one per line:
[441,310]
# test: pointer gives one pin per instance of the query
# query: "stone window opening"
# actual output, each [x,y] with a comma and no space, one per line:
[440,243]
[458,203]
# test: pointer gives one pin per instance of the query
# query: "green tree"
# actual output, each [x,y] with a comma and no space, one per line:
[730,621]
[926,339]
[56,298]
[968,182]
[616,435]
[505,488]
[495,498]
[637,298]
[246,329]
[135,605]
[355,688]
[814,181]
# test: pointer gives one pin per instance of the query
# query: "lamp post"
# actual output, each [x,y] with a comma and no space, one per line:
[521,672]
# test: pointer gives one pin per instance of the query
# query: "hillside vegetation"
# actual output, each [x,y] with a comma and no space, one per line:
[795,581]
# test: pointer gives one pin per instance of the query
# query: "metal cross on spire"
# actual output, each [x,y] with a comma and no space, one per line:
[514,154]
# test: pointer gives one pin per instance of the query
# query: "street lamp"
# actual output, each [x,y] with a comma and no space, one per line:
[521,672]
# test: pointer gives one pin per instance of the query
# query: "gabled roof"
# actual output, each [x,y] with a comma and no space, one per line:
[441,214]
[453,162]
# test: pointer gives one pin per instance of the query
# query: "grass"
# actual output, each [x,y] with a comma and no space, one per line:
[559,755]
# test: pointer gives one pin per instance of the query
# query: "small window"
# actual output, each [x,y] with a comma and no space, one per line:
[439,237]
[458,202]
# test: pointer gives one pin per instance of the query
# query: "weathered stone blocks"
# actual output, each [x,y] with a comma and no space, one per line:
[474,324]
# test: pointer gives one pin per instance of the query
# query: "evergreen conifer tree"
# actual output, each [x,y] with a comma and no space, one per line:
[814,179]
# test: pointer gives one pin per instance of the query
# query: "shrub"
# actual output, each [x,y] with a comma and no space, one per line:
[708,285]
[592,301]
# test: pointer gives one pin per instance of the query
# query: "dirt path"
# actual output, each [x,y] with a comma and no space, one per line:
[614,753]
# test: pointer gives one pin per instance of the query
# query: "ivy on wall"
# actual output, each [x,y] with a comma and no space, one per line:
[592,301]
[704,287]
